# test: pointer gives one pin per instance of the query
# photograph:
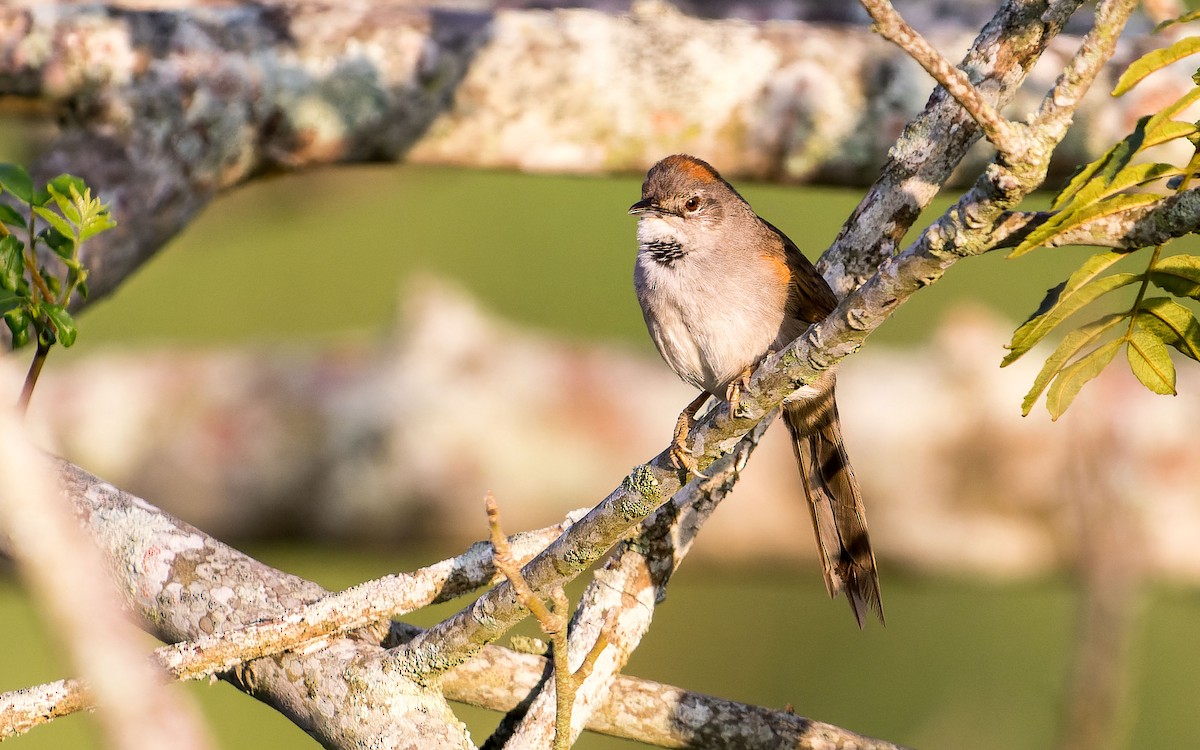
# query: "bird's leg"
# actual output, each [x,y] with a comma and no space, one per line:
[681,454]
[733,391]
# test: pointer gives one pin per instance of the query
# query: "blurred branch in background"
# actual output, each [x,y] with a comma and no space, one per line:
[1111,514]
[169,107]
[982,491]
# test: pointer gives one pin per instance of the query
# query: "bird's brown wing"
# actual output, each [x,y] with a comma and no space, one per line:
[811,300]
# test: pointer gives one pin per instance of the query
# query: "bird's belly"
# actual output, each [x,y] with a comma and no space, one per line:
[709,337]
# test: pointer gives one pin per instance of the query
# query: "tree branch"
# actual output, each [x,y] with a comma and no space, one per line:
[892,27]
[355,608]
[647,711]
[497,678]
[183,583]
[64,573]
[631,584]
[165,108]
[935,142]
[1174,216]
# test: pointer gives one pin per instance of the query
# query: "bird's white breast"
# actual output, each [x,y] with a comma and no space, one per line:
[712,312]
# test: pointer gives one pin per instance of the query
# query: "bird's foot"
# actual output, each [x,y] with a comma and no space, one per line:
[733,391]
[682,456]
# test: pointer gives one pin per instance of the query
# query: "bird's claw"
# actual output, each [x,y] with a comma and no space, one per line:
[683,459]
[733,392]
[682,456]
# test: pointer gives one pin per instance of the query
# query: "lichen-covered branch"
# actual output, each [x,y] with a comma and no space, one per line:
[169,107]
[1140,226]
[64,573]
[935,142]
[966,229]
[647,711]
[24,709]
[358,607]
[183,581]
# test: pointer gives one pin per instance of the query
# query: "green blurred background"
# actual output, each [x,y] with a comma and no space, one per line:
[315,258]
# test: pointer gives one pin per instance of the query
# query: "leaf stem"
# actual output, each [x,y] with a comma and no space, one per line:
[30,258]
[1141,293]
[31,378]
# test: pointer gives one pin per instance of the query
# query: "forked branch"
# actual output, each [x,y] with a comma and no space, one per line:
[895,29]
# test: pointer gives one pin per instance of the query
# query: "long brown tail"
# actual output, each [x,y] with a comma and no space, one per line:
[836,503]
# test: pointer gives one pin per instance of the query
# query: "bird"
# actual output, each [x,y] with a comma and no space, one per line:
[721,288]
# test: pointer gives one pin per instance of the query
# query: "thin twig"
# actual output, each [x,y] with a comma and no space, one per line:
[553,622]
[895,29]
[1057,109]
[507,565]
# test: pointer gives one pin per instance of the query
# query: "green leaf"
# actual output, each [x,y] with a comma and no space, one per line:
[64,184]
[12,263]
[1068,383]
[1071,344]
[95,224]
[8,301]
[1170,131]
[18,321]
[1132,176]
[1171,322]
[1151,362]
[68,204]
[1069,219]
[1155,60]
[16,180]
[63,247]
[1066,299]
[59,187]
[11,216]
[1163,117]
[1112,161]
[64,324]
[1178,274]
[61,225]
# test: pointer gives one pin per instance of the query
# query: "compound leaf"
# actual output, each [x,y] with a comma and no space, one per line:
[1068,298]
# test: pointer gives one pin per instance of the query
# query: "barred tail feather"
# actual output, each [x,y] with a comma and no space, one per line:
[839,518]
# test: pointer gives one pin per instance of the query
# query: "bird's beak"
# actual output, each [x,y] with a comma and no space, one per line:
[643,206]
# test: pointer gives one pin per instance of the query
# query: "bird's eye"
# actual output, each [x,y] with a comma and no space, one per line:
[693,203]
